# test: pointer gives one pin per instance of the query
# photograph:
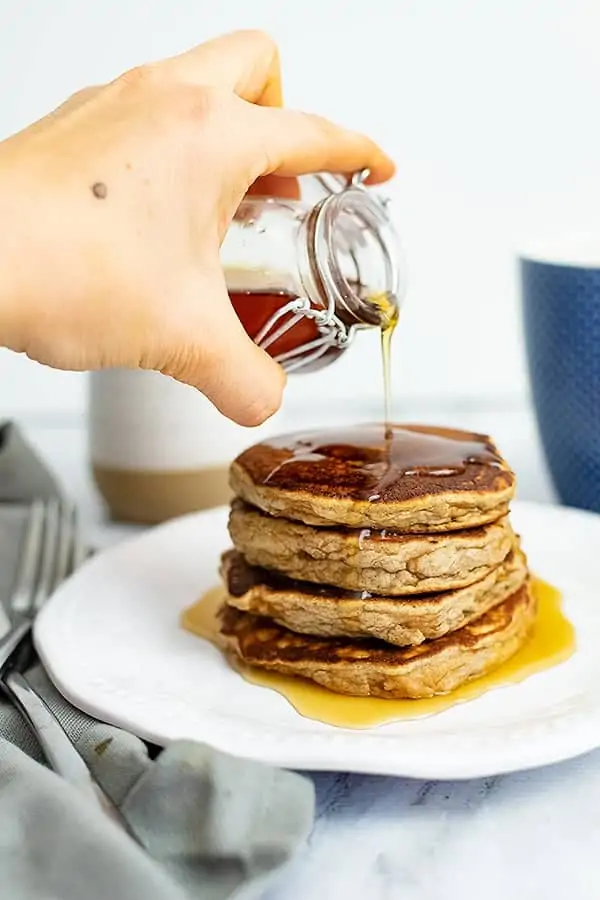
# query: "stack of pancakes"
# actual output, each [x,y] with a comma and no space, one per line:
[376,563]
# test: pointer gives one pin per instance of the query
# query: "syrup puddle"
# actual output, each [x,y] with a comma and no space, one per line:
[551,642]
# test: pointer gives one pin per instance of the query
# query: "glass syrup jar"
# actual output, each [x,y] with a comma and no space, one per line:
[305,275]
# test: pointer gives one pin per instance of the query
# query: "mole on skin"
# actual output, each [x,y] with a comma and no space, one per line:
[99,190]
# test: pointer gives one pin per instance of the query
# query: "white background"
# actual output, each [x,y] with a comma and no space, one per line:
[490,108]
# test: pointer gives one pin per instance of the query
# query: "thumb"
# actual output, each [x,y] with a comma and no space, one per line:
[215,355]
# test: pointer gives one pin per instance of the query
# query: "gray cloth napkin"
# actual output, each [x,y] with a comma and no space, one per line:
[212,826]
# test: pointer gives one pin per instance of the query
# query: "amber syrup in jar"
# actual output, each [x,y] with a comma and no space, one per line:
[294,336]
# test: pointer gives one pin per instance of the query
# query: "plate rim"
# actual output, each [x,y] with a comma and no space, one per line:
[575,741]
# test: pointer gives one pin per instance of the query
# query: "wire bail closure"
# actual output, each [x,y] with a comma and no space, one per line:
[334,334]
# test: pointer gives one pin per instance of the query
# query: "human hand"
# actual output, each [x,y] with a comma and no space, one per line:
[113,208]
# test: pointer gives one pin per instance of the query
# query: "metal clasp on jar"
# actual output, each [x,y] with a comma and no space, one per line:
[334,334]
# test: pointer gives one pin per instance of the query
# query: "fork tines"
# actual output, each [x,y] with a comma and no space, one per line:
[51,550]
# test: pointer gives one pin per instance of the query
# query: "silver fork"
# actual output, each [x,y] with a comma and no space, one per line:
[51,550]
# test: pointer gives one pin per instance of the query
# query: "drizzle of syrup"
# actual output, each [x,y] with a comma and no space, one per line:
[389,318]
[363,538]
[375,462]
[551,642]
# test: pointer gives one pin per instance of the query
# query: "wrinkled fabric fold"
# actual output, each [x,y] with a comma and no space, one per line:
[211,826]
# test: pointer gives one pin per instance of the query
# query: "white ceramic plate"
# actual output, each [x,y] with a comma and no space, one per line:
[112,644]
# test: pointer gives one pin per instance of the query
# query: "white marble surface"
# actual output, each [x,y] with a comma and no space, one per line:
[530,836]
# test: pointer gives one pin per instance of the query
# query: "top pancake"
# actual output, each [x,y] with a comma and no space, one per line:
[419,479]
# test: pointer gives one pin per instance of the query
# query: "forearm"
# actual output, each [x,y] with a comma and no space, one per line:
[17,259]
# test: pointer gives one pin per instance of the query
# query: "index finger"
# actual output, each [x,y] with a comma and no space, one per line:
[245,62]
[292,143]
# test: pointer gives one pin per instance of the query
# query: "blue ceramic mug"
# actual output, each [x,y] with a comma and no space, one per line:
[561,312]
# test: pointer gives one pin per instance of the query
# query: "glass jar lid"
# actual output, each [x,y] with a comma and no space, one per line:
[354,254]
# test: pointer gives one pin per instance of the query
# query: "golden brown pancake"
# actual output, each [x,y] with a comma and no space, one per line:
[418,479]
[365,560]
[371,668]
[330,612]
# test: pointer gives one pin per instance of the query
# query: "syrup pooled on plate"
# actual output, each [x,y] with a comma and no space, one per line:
[551,642]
